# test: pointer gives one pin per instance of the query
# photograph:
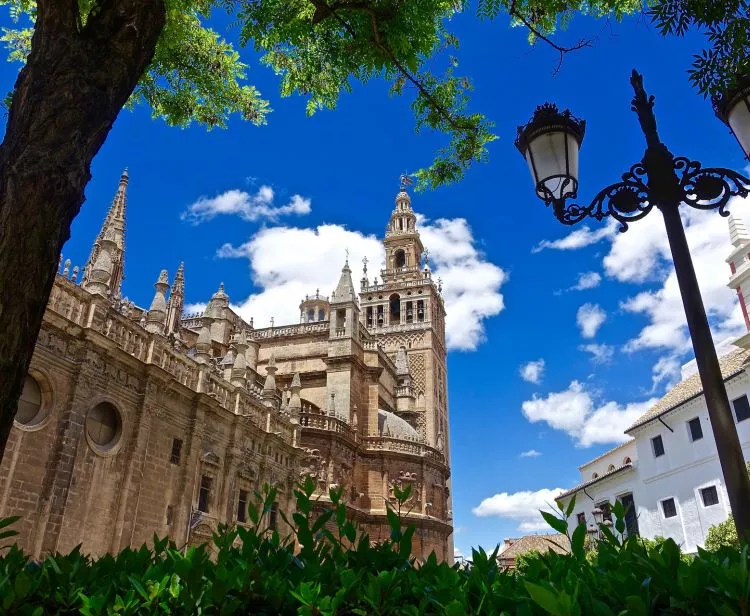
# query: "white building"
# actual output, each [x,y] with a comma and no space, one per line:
[668,475]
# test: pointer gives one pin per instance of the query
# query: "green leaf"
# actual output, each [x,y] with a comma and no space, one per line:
[578,541]
[561,526]
[544,598]
[571,507]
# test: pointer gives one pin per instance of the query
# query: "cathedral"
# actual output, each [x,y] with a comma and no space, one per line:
[135,421]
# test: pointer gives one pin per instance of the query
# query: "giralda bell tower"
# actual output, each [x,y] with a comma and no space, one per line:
[405,311]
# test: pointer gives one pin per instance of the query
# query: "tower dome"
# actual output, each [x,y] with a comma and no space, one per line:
[314,308]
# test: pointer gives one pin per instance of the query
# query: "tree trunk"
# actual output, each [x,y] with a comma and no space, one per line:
[76,80]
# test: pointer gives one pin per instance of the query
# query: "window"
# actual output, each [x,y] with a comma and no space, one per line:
[395,307]
[669,508]
[400,258]
[695,429]
[170,515]
[204,494]
[321,315]
[658,446]
[610,468]
[369,316]
[103,425]
[631,518]
[30,411]
[311,315]
[581,518]
[710,496]
[176,451]
[273,517]
[595,475]
[627,460]
[242,506]
[741,408]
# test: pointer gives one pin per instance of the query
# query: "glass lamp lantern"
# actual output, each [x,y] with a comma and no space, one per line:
[550,143]
[733,108]
[598,515]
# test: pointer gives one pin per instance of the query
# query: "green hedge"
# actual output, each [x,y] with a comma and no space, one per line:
[338,572]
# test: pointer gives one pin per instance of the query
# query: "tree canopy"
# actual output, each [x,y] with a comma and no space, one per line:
[320,47]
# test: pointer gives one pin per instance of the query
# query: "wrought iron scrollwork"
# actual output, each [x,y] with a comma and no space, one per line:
[625,201]
[710,188]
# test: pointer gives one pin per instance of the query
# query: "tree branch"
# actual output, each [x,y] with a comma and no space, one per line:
[322,10]
[513,12]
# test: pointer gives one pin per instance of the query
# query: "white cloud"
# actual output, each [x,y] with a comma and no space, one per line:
[587,280]
[287,263]
[642,255]
[521,507]
[575,412]
[531,453]
[250,207]
[471,284]
[590,318]
[532,372]
[579,238]
[600,353]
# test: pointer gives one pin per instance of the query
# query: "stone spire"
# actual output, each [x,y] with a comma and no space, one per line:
[157,313]
[176,301]
[270,394]
[114,228]
[738,234]
[345,289]
[100,274]
[295,402]
[239,368]
[203,344]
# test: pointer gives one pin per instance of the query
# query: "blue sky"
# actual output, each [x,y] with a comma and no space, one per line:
[509,267]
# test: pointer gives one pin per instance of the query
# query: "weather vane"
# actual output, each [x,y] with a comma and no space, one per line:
[406,181]
[346,250]
[364,264]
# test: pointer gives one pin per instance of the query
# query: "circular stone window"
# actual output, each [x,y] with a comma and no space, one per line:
[103,426]
[31,408]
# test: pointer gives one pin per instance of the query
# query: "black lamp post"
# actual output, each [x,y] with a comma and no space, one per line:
[550,143]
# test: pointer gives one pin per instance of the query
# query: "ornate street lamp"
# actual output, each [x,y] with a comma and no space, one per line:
[663,181]
[598,515]
[733,108]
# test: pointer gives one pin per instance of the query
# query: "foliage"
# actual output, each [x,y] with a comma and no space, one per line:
[318,49]
[725,24]
[335,571]
[321,47]
[721,535]
[724,533]
[195,74]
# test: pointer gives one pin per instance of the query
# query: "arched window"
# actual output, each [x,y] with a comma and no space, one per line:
[610,468]
[321,315]
[103,426]
[311,315]
[627,461]
[31,409]
[400,258]
[595,475]
[395,302]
